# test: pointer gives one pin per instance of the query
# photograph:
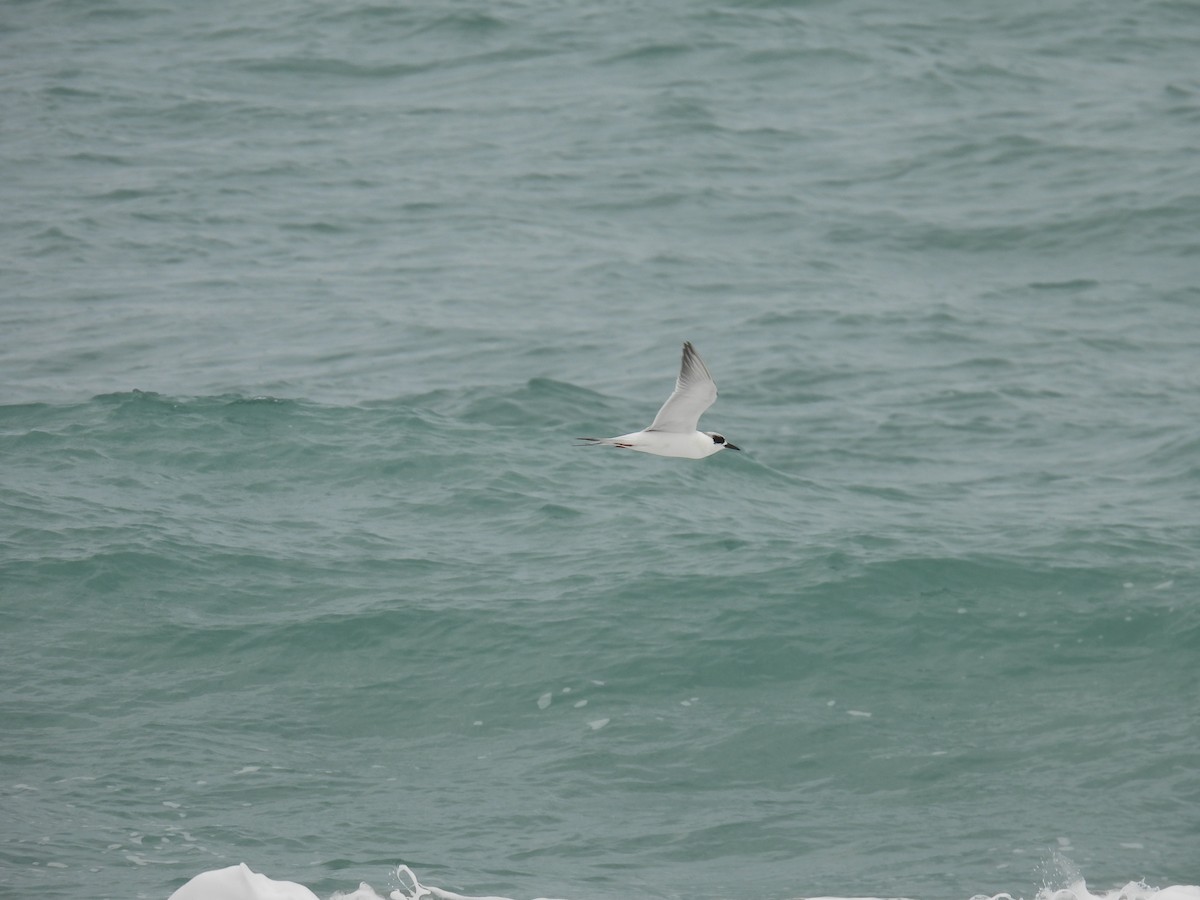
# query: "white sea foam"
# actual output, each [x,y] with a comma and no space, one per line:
[241,883]
[1134,890]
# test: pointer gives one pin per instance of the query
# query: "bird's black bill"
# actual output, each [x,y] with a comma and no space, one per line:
[729,446]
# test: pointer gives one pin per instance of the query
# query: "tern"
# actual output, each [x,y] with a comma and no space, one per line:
[673,431]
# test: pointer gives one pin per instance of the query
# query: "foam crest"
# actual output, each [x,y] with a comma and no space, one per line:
[241,883]
[413,890]
[1134,890]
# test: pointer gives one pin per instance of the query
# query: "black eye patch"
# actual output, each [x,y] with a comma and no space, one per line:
[717,439]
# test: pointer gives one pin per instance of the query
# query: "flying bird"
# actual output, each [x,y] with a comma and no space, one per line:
[673,431]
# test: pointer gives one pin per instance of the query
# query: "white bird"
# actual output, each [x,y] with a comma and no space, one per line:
[673,431]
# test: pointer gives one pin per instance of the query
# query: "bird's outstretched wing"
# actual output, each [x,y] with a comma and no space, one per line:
[694,392]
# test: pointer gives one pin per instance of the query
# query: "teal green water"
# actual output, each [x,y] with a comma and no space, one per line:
[303,307]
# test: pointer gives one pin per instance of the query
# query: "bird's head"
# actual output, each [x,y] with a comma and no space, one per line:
[719,440]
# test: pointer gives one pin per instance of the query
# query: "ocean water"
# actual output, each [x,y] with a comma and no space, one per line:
[303,305]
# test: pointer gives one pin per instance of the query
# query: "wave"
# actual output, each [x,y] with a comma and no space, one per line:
[242,883]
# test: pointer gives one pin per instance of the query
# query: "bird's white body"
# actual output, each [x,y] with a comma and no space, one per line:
[673,431]
[696,445]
